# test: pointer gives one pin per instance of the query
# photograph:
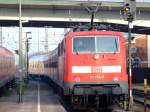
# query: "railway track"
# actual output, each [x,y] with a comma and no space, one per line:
[139,97]
[67,106]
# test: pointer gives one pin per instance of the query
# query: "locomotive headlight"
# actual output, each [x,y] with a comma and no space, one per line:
[115,79]
[77,79]
[96,56]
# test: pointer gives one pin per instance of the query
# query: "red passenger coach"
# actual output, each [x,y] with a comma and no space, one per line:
[91,68]
[7,66]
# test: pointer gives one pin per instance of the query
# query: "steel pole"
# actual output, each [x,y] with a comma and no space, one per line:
[130,65]
[20,53]
[27,59]
[26,56]
[1,35]
[26,45]
[38,41]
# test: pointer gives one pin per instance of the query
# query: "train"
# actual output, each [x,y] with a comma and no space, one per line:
[88,67]
[7,66]
[36,65]
[140,58]
[140,51]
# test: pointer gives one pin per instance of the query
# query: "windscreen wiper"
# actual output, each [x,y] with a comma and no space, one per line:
[76,51]
[116,46]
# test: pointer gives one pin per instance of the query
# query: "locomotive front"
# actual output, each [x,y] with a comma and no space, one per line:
[96,68]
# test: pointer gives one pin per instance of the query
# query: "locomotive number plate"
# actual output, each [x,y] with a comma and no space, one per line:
[96,69]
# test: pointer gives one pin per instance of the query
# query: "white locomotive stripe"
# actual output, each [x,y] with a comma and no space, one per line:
[88,69]
[81,69]
[111,69]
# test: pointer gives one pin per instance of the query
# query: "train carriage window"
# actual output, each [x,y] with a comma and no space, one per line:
[44,65]
[37,64]
[7,65]
[33,64]
[4,63]
[10,62]
[59,50]
[64,46]
[0,63]
[49,64]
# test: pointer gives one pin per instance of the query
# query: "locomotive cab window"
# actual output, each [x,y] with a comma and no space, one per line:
[107,44]
[98,44]
[84,45]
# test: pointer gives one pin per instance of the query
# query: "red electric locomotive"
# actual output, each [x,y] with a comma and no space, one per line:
[91,68]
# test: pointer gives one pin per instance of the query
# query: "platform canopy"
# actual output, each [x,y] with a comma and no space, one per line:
[65,13]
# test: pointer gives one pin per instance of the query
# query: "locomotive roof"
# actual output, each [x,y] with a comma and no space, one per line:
[39,58]
[93,33]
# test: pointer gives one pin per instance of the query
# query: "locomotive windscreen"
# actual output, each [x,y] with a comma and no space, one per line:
[98,44]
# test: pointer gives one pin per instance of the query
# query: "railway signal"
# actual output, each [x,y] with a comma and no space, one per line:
[129,12]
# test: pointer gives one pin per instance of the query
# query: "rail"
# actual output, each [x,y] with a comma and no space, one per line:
[139,97]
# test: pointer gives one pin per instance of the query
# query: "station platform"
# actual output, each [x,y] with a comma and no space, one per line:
[38,97]
[140,86]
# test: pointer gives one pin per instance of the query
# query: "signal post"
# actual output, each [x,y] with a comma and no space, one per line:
[129,12]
